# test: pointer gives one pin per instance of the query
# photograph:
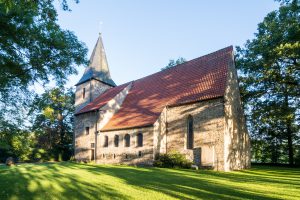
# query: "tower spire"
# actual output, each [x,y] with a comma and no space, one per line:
[98,67]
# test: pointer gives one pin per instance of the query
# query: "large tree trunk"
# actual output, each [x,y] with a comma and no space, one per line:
[61,128]
[290,144]
[289,131]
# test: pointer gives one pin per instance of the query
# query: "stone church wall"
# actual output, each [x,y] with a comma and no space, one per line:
[208,118]
[83,141]
[93,89]
[237,141]
[159,134]
[98,88]
[132,155]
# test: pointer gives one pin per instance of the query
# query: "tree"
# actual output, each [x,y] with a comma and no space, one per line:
[15,142]
[33,47]
[173,63]
[269,67]
[53,121]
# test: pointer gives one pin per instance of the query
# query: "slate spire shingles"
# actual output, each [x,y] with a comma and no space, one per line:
[98,67]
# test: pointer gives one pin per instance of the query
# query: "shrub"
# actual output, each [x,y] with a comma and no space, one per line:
[172,160]
[72,158]
[39,155]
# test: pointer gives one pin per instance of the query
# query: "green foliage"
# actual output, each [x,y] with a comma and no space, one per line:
[39,154]
[53,122]
[33,47]
[173,63]
[297,159]
[49,136]
[15,142]
[269,68]
[172,160]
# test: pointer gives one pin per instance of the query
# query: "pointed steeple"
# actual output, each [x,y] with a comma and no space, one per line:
[98,66]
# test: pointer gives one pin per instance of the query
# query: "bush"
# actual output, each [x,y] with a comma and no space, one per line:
[172,160]
[39,155]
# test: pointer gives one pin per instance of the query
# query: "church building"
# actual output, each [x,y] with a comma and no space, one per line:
[193,108]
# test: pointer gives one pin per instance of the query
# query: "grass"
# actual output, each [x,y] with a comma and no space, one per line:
[67,180]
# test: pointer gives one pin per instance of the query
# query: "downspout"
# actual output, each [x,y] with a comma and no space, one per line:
[96,135]
[166,125]
[90,90]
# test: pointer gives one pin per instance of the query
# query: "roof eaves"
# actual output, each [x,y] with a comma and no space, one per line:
[192,102]
[126,128]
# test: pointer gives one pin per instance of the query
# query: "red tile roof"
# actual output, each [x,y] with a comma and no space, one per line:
[199,79]
[102,99]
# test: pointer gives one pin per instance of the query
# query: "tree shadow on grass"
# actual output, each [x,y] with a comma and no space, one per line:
[80,181]
[182,184]
[31,182]
[258,175]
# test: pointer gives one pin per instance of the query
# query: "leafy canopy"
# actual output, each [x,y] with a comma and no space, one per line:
[173,63]
[269,67]
[33,47]
[53,120]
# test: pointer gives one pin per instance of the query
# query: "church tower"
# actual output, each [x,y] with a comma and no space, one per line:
[96,78]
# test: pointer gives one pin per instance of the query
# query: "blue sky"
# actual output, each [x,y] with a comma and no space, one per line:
[141,36]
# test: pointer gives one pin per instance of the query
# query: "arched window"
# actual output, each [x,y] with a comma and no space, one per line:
[116,140]
[190,133]
[105,144]
[87,130]
[83,93]
[127,140]
[139,139]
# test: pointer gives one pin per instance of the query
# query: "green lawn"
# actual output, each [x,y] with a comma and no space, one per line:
[79,181]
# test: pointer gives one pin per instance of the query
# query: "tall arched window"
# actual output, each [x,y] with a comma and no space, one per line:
[105,144]
[127,140]
[83,93]
[116,140]
[139,139]
[190,133]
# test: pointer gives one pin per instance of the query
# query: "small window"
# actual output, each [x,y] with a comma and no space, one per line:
[103,155]
[83,93]
[126,156]
[92,145]
[105,144]
[190,133]
[116,140]
[139,139]
[114,156]
[127,140]
[140,154]
[87,130]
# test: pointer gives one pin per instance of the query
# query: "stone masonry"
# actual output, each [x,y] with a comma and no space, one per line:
[220,137]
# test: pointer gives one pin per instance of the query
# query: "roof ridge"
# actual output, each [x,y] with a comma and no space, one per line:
[224,50]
